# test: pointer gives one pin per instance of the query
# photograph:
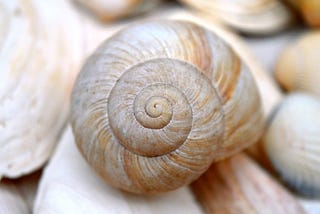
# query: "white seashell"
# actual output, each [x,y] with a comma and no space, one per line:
[249,16]
[69,185]
[40,53]
[292,142]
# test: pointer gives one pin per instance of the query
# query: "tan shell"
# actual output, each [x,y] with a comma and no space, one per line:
[108,10]
[39,61]
[249,16]
[309,9]
[292,142]
[158,102]
[298,66]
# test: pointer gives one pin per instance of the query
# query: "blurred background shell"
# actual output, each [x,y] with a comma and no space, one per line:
[38,63]
[309,9]
[109,10]
[248,16]
[292,142]
[298,67]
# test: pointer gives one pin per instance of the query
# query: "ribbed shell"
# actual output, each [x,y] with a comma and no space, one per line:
[298,66]
[108,10]
[292,142]
[249,16]
[38,63]
[158,102]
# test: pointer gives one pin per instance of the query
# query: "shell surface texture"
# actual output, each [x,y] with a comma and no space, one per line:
[38,61]
[249,16]
[292,142]
[298,66]
[158,102]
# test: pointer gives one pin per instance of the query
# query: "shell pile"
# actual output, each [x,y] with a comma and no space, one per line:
[171,97]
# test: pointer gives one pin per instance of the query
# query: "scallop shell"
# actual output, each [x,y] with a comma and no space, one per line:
[39,62]
[108,10]
[158,102]
[249,16]
[298,66]
[292,142]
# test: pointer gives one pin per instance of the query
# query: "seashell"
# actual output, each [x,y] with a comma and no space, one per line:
[39,62]
[108,10]
[298,68]
[309,9]
[239,185]
[248,16]
[69,185]
[292,142]
[151,112]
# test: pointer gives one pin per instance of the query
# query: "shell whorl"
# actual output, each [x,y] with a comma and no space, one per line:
[153,114]
[152,107]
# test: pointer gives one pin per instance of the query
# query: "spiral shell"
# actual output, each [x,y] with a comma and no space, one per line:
[108,10]
[39,62]
[249,16]
[298,66]
[292,142]
[158,102]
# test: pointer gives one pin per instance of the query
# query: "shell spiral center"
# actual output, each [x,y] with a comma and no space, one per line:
[151,105]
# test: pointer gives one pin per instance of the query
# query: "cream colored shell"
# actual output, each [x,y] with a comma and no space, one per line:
[39,59]
[292,142]
[298,67]
[158,102]
[108,10]
[249,16]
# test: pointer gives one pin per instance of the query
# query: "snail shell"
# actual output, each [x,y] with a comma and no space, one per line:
[292,142]
[37,68]
[249,16]
[107,10]
[158,102]
[298,66]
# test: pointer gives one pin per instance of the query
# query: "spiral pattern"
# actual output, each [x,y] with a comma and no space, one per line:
[151,112]
[155,119]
